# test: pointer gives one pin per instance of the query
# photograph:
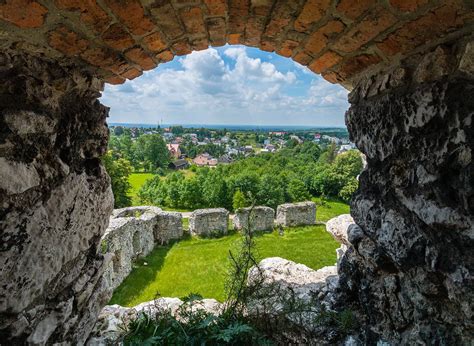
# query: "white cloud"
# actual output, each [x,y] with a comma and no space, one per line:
[226,86]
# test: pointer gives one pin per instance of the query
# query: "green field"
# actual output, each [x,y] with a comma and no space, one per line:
[137,180]
[200,265]
[330,209]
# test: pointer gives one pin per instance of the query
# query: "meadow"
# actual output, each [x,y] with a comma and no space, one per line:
[196,265]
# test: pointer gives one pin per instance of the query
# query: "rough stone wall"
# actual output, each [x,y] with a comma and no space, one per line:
[296,214]
[411,268]
[169,226]
[339,39]
[55,200]
[205,222]
[261,218]
[133,233]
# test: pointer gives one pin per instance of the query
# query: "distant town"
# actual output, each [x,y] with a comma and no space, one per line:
[211,147]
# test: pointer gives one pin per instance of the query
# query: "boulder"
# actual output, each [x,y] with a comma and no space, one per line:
[293,293]
[338,227]
[261,218]
[206,222]
[296,214]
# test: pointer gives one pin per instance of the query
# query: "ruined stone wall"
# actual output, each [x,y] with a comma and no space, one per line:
[296,214]
[55,200]
[260,218]
[410,271]
[205,222]
[133,233]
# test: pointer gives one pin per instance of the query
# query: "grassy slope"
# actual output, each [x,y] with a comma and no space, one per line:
[137,180]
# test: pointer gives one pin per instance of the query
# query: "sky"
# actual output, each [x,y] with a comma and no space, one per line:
[232,85]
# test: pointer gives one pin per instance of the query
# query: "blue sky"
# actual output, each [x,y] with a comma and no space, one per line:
[228,85]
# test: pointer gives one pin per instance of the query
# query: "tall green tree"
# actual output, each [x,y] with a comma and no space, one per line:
[152,150]
[297,191]
[119,171]
[238,201]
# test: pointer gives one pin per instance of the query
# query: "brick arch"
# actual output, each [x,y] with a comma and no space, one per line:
[340,39]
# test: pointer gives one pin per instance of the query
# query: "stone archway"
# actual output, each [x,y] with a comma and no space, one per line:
[410,65]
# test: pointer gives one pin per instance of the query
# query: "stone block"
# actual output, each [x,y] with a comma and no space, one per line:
[205,222]
[296,214]
[260,218]
[169,227]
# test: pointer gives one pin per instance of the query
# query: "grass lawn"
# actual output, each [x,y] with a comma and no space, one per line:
[200,265]
[330,209]
[137,180]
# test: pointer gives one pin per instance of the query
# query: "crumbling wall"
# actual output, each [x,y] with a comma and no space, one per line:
[55,201]
[261,218]
[296,214]
[205,222]
[133,233]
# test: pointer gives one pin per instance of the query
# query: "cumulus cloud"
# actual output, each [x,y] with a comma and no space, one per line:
[227,85]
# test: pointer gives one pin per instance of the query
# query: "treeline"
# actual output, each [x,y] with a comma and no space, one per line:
[289,175]
[148,152]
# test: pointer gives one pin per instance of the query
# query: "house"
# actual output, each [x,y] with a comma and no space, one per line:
[270,148]
[296,138]
[343,148]
[225,159]
[277,133]
[179,164]
[168,136]
[205,160]
[266,141]
[174,150]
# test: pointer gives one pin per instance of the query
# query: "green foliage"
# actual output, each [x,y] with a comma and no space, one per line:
[288,175]
[297,191]
[238,201]
[348,190]
[151,149]
[119,170]
[194,327]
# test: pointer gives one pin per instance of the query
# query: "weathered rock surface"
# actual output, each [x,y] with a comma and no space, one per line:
[113,319]
[412,267]
[338,227]
[292,296]
[261,218]
[55,201]
[133,232]
[205,222]
[296,214]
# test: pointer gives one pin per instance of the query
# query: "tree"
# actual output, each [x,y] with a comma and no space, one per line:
[348,164]
[118,130]
[349,189]
[271,192]
[119,171]
[297,191]
[191,194]
[238,201]
[153,151]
